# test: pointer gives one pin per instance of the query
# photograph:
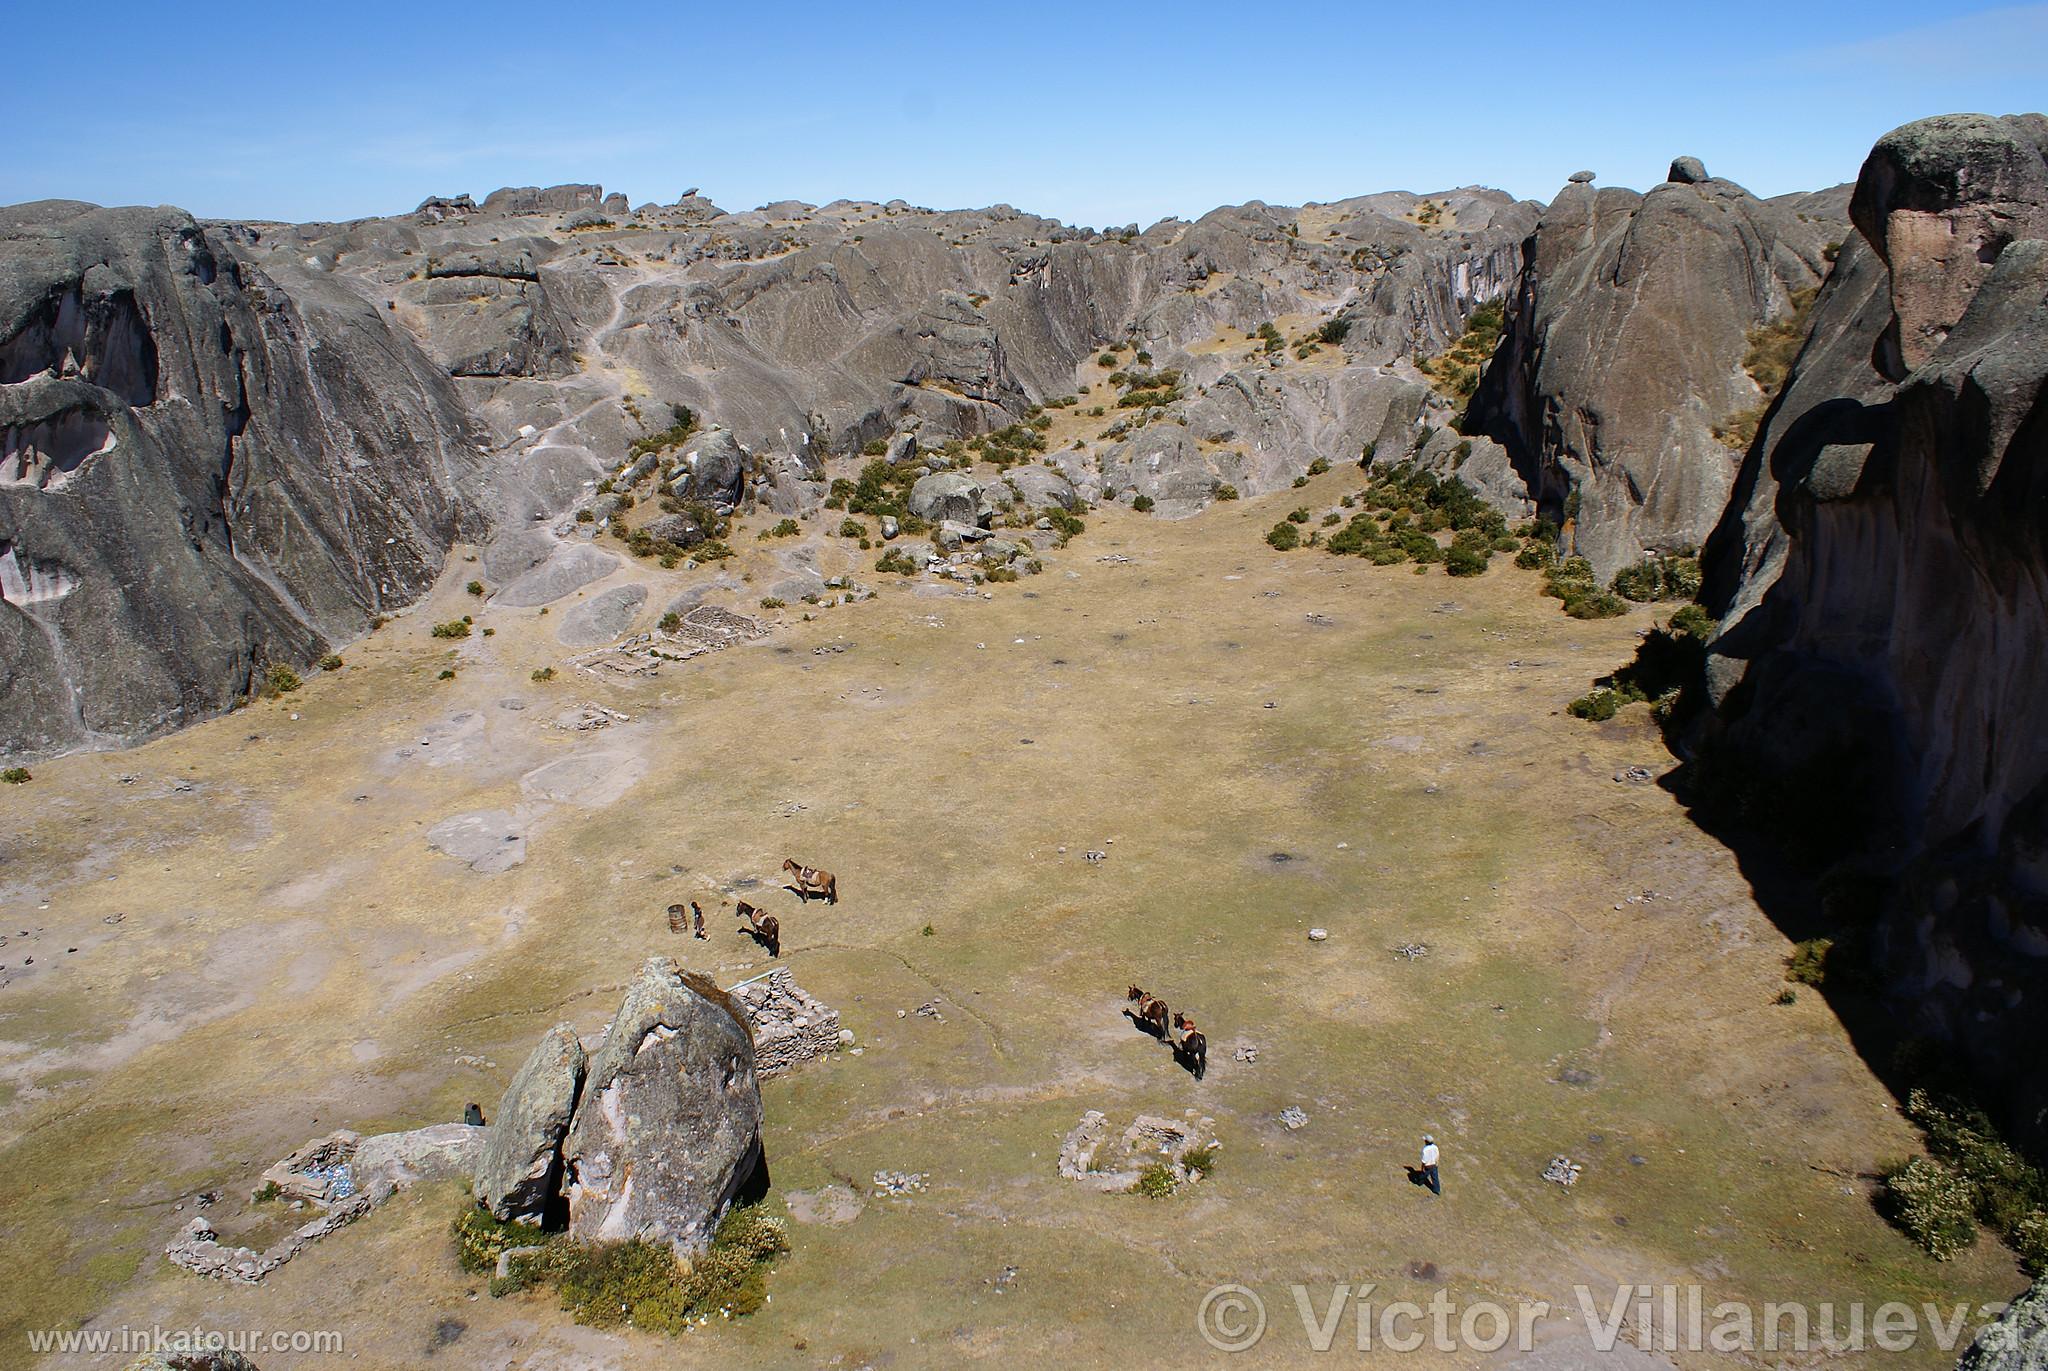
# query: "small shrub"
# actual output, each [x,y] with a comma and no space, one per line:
[584,516]
[475,588]
[1143,504]
[1284,537]
[788,528]
[1298,515]
[894,560]
[1808,964]
[1693,621]
[331,662]
[280,680]
[1226,492]
[454,628]
[1931,1204]
[1155,1182]
[853,528]
[16,775]
[1464,561]
[1300,481]
[266,1192]
[925,932]
[546,673]
[1597,707]
[1201,1161]
[1787,996]
[1319,466]
[772,602]
[447,674]
[671,622]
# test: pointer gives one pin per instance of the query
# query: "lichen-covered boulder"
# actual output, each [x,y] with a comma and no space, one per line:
[945,495]
[520,1168]
[667,1131]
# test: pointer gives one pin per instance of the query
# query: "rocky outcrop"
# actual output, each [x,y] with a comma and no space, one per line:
[2017,1341]
[222,1360]
[205,469]
[520,1170]
[668,1130]
[949,497]
[1623,354]
[1879,688]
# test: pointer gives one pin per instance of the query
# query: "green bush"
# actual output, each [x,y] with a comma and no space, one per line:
[1463,561]
[1156,1181]
[1808,964]
[280,680]
[1693,621]
[1143,504]
[772,602]
[584,516]
[1226,492]
[671,622]
[1200,1161]
[1320,466]
[16,775]
[1659,578]
[1298,515]
[852,528]
[894,560]
[1333,331]
[331,662]
[546,673]
[454,628]
[1931,1204]
[788,528]
[475,588]
[675,435]
[1284,536]
[1598,707]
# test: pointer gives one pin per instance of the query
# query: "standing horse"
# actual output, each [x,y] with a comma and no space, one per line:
[1150,1014]
[766,929]
[811,881]
[1192,1047]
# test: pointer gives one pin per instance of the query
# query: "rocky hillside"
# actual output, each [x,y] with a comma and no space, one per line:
[1882,579]
[1620,385]
[202,472]
[228,446]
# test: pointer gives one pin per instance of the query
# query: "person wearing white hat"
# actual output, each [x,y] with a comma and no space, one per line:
[1429,1172]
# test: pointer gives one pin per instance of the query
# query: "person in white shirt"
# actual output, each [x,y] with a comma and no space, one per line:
[1429,1172]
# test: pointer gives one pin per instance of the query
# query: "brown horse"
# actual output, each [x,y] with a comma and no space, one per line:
[766,929]
[811,881]
[1150,1014]
[1193,1047]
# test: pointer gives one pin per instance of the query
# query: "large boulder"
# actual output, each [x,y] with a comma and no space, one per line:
[1038,487]
[949,495]
[388,1162]
[2018,1341]
[714,469]
[518,1175]
[667,1132]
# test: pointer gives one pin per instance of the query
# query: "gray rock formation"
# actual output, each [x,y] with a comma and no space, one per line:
[519,1173]
[205,469]
[2018,1341]
[949,497]
[1882,580]
[667,1131]
[1623,353]
[192,1361]
[388,1162]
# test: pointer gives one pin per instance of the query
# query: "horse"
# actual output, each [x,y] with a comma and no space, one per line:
[766,929]
[811,881]
[1193,1047]
[1150,1014]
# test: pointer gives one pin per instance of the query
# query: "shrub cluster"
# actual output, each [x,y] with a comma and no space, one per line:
[1675,577]
[1572,582]
[1455,372]
[631,1284]
[675,435]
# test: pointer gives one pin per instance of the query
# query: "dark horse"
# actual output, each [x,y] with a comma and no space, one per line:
[1192,1048]
[765,929]
[1150,1014]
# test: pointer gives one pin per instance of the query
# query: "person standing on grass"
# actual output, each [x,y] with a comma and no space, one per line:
[1429,1172]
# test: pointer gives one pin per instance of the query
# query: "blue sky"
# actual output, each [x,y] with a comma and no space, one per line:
[1099,114]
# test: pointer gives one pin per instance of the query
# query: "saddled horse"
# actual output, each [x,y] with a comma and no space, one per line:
[766,929]
[1192,1047]
[809,881]
[1150,1014]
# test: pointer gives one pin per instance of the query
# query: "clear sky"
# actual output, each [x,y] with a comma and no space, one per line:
[1097,113]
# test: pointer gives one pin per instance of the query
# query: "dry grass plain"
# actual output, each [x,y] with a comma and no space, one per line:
[290,956]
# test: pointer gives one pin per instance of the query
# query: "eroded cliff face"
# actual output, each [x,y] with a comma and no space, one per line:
[201,473]
[1623,352]
[1883,583]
